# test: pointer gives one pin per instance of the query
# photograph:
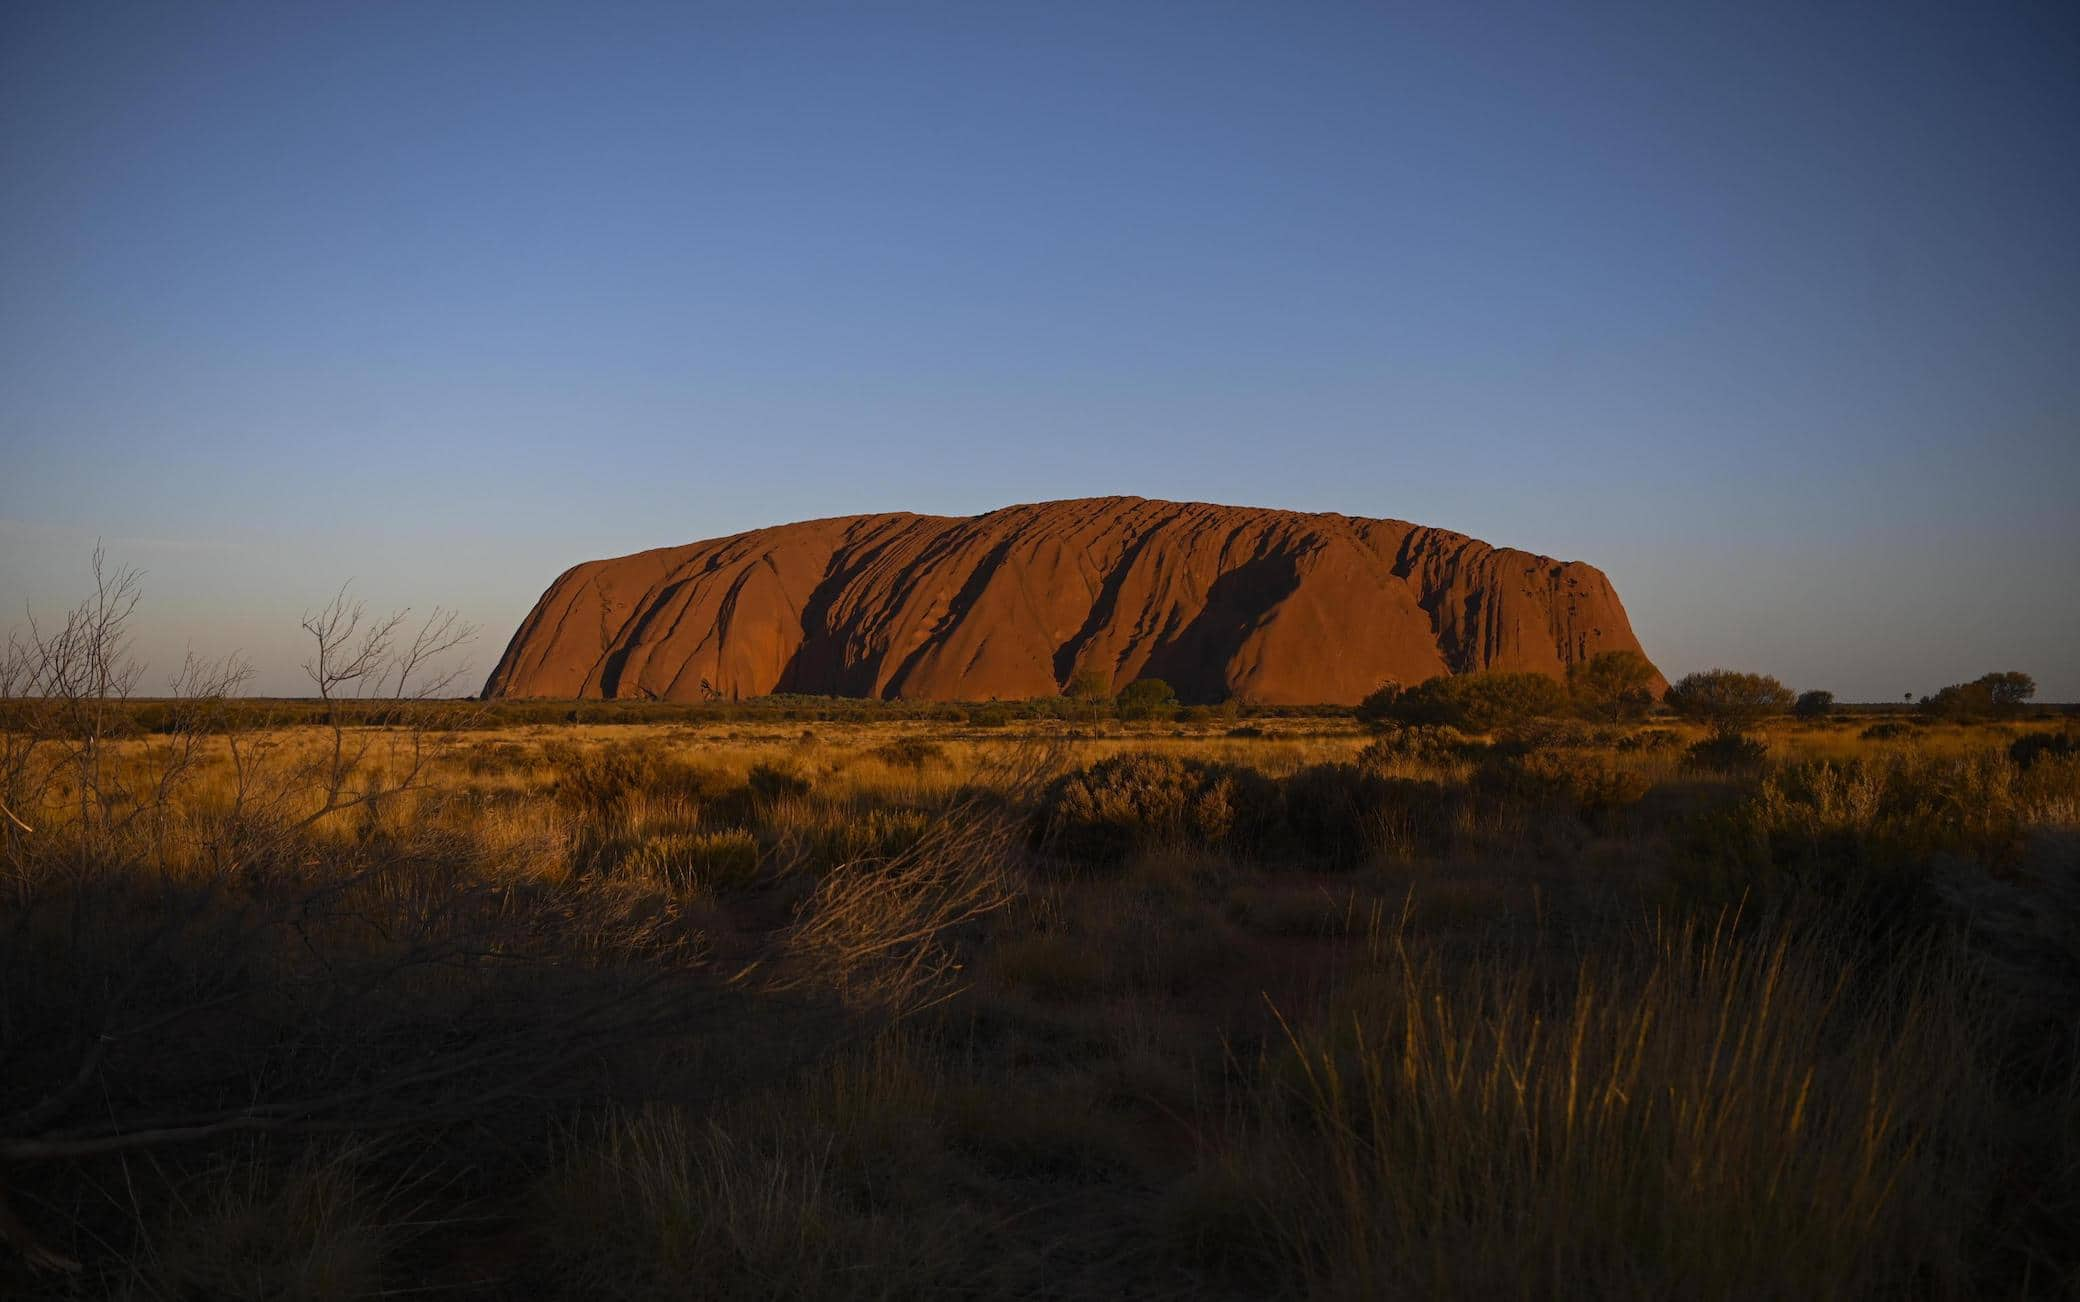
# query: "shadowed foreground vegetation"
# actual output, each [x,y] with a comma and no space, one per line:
[1067,1009]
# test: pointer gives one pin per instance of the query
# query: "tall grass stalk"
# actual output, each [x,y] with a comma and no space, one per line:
[1727,1113]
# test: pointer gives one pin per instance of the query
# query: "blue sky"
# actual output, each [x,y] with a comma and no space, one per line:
[1772,311]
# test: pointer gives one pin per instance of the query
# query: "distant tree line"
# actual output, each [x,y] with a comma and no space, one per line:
[1617,686]
[1990,696]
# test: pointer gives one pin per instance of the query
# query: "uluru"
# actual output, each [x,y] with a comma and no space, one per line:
[1275,607]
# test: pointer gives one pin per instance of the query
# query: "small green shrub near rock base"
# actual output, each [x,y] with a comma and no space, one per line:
[1612,686]
[1478,701]
[1146,698]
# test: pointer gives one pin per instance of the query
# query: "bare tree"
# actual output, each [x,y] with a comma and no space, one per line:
[355,657]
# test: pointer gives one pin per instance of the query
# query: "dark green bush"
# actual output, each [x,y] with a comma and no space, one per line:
[1612,686]
[1813,705]
[1146,698]
[1553,734]
[1089,685]
[1728,700]
[2025,751]
[1727,752]
[1378,705]
[1985,697]
[1478,701]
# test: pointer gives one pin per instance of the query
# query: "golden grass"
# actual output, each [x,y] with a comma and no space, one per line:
[1717,1116]
[1567,1016]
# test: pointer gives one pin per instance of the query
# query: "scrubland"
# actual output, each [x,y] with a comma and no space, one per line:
[1069,1008]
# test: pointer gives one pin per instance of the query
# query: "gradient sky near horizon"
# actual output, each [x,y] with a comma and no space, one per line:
[1772,311]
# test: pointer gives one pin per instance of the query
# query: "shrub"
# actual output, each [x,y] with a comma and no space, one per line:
[1089,685]
[1987,696]
[1727,752]
[1145,698]
[1420,744]
[1379,704]
[1589,782]
[1886,731]
[1600,790]
[2025,751]
[1552,734]
[1144,800]
[1612,686]
[601,780]
[595,781]
[1876,829]
[1327,808]
[909,753]
[1728,700]
[1479,701]
[1813,705]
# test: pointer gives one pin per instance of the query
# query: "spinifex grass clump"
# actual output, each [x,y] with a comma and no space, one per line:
[1706,1113]
[1888,822]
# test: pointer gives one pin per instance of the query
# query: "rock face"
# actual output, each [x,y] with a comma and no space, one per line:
[1277,607]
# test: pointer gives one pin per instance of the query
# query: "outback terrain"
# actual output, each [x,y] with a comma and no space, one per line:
[1088,996]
